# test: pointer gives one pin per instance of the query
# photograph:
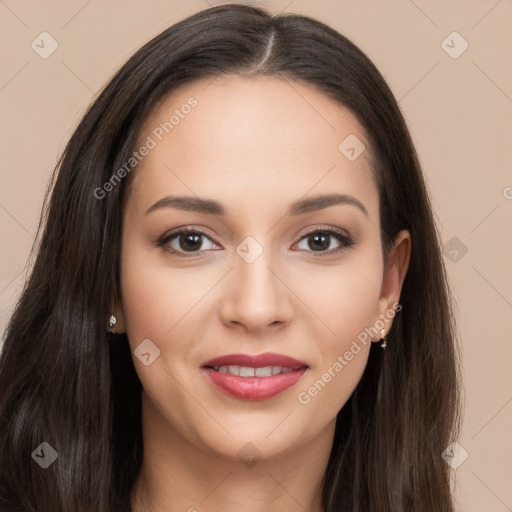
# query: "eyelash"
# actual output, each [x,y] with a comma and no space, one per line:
[347,241]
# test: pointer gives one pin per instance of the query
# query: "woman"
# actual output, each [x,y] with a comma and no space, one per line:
[238,300]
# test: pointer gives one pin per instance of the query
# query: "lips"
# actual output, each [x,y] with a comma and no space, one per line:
[256,377]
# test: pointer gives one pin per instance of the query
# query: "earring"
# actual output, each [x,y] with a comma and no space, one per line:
[383,345]
[112,321]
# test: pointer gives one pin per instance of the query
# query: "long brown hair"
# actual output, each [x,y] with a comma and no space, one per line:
[63,383]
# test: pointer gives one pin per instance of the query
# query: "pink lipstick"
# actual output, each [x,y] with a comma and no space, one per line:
[256,377]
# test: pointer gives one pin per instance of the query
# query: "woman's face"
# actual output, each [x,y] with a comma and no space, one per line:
[252,277]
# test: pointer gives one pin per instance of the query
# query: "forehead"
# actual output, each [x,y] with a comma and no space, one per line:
[262,137]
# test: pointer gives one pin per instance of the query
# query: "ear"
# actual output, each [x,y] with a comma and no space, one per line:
[116,309]
[394,275]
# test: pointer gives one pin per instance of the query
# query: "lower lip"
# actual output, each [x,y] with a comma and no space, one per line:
[253,388]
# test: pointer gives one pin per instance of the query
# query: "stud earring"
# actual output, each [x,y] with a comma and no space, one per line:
[383,345]
[112,321]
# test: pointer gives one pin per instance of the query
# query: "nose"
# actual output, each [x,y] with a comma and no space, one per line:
[256,296]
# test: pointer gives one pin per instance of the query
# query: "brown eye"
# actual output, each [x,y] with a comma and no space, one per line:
[186,241]
[327,241]
[190,242]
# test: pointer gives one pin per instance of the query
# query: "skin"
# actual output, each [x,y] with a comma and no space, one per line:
[255,145]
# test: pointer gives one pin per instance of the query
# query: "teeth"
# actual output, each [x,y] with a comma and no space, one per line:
[247,371]
[263,372]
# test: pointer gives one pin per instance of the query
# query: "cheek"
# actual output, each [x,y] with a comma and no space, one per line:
[154,298]
[167,306]
[344,298]
[353,302]
[155,305]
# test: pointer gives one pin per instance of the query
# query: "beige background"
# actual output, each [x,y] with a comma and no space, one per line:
[459,111]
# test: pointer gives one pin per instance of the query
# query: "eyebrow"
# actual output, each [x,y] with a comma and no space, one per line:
[210,206]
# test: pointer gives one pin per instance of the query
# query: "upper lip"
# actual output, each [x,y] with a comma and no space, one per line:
[255,361]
